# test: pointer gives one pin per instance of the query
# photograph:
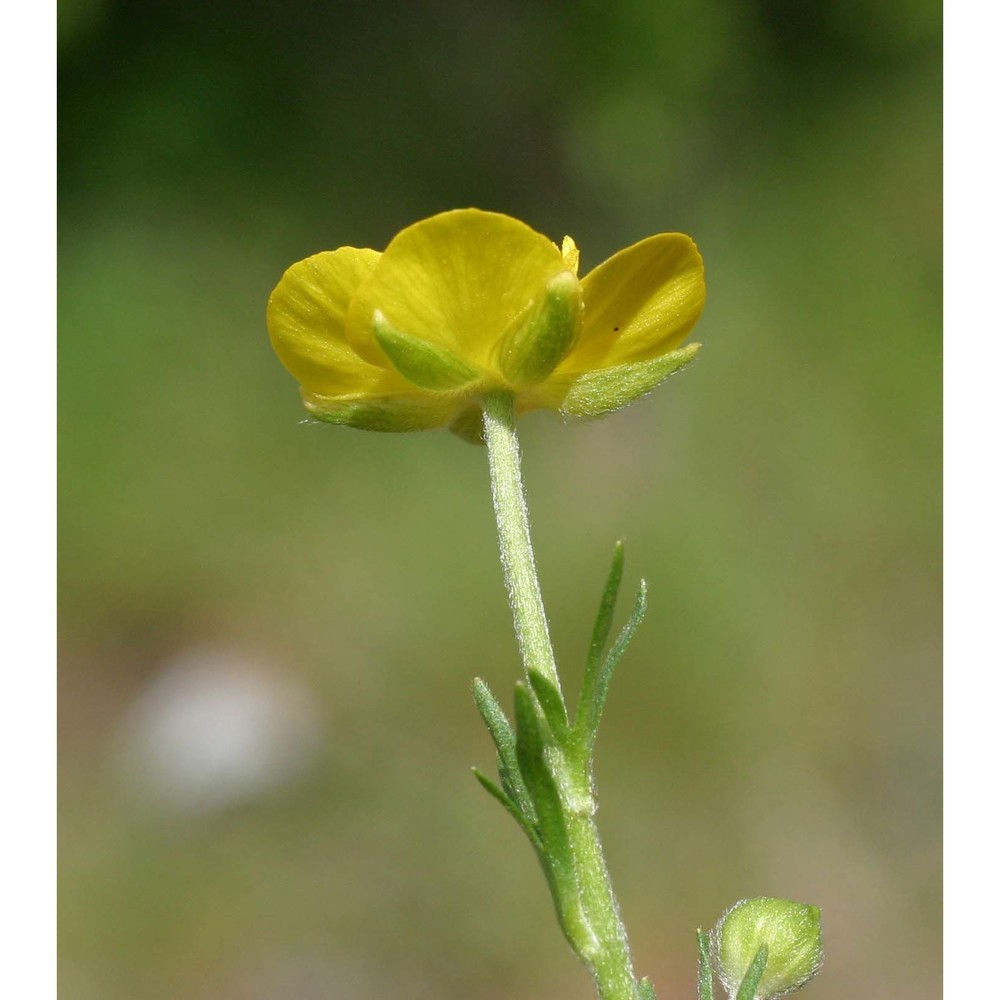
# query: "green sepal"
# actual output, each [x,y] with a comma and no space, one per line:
[705,988]
[531,349]
[468,425]
[505,742]
[380,413]
[592,708]
[604,390]
[551,702]
[646,991]
[748,988]
[508,803]
[424,364]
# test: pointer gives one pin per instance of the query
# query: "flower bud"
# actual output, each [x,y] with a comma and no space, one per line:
[790,931]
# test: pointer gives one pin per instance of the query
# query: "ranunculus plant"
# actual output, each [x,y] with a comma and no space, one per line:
[468,320]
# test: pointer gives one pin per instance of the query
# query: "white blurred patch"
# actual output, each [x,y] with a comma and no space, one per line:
[214,728]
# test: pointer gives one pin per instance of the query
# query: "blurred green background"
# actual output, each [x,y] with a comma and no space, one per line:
[269,628]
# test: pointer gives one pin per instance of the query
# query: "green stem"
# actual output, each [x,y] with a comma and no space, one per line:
[599,938]
[705,989]
[516,553]
[607,954]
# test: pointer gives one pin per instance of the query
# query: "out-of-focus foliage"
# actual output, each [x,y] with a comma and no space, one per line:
[774,730]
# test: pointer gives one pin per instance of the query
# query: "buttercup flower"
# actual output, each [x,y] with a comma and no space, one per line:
[470,302]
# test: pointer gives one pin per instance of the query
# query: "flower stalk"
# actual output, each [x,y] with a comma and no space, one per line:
[557,774]
[516,553]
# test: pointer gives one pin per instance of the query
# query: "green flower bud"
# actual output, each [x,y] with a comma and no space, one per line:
[791,934]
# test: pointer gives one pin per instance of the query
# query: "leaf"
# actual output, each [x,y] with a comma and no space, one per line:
[508,803]
[537,775]
[748,988]
[599,637]
[591,711]
[550,699]
[510,782]
[646,991]
[705,991]
[544,794]
[602,627]
[505,742]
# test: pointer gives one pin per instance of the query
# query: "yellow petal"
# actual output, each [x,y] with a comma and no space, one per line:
[639,304]
[457,281]
[305,318]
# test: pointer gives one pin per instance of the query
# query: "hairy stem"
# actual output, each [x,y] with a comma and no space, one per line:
[599,937]
[516,553]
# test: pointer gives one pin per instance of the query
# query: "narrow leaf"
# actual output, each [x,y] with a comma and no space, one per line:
[748,988]
[508,803]
[603,680]
[506,744]
[602,626]
[599,637]
[550,699]
[646,991]
[535,771]
[509,783]
[705,991]
[544,794]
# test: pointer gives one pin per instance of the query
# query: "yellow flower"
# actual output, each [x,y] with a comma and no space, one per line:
[469,302]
